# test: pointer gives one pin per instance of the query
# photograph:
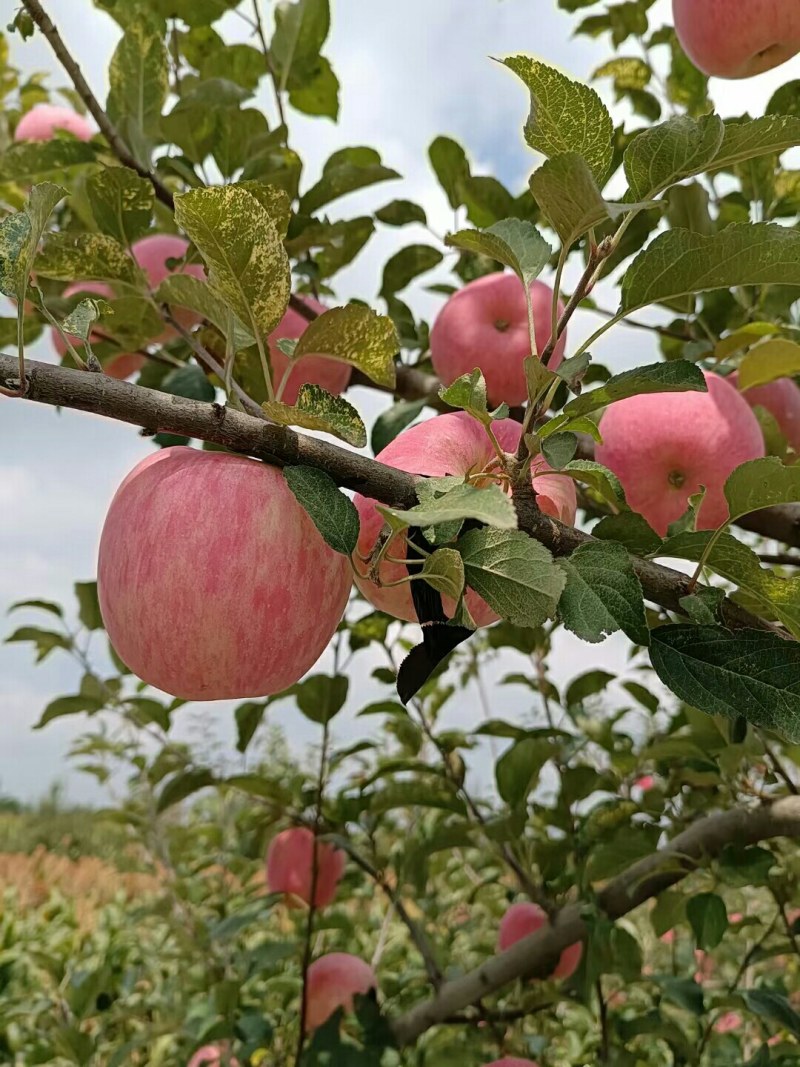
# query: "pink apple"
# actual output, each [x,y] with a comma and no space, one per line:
[152,253]
[485,325]
[781,398]
[213,581]
[42,121]
[447,444]
[664,446]
[121,366]
[728,1022]
[290,860]
[526,918]
[330,374]
[332,982]
[645,783]
[737,38]
[213,1056]
[668,938]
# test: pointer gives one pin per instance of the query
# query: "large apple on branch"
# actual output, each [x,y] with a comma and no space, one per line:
[738,38]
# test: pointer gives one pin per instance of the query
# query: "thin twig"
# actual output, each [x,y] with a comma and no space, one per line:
[118,146]
[778,766]
[259,24]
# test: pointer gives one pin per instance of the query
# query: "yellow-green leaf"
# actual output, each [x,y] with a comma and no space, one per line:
[355,335]
[317,410]
[779,358]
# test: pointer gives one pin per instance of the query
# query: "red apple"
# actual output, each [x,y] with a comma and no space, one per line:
[664,446]
[485,325]
[290,867]
[332,982]
[330,374]
[447,444]
[152,253]
[526,918]
[737,38]
[645,783]
[781,398]
[213,1056]
[121,366]
[213,581]
[42,121]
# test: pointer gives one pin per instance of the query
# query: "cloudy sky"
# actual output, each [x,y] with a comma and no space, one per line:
[409,71]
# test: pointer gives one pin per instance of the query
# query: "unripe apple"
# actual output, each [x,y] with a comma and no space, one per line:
[42,121]
[213,1056]
[737,38]
[664,446]
[332,982]
[290,858]
[526,918]
[121,366]
[152,253]
[330,374]
[454,443]
[213,581]
[512,1061]
[781,398]
[485,325]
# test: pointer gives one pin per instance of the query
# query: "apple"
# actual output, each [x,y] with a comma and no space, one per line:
[213,581]
[485,325]
[454,443]
[121,366]
[332,375]
[781,398]
[290,867]
[526,918]
[728,1022]
[645,783]
[332,982]
[152,253]
[213,1056]
[42,121]
[512,1061]
[737,38]
[664,446]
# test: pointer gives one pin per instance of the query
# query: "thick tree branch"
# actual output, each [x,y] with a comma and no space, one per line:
[162,412]
[534,956]
[117,145]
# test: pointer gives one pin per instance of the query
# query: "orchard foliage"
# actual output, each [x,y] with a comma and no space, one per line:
[185,243]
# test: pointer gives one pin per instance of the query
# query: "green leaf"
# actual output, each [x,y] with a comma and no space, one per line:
[317,410]
[301,29]
[751,138]
[514,574]
[356,335]
[469,394]
[489,505]
[121,202]
[249,717]
[751,673]
[81,319]
[73,256]
[603,481]
[631,530]
[243,250]
[41,605]
[708,918]
[444,571]
[779,358]
[319,95]
[138,77]
[513,242]
[401,213]
[183,785]
[45,640]
[761,483]
[393,421]
[342,179]
[566,190]
[565,116]
[407,264]
[274,199]
[74,705]
[19,239]
[518,769]
[662,155]
[602,594]
[450,164]
[236,130]
[184,290]
[321,696]
[31,161]
[333,513]
[737,563]
[190,381]
[676,376]
[559,449]
[765,1003]
[88,605]
[587,685]
[681,263]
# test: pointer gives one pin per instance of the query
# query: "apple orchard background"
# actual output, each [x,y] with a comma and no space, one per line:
[58,471]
